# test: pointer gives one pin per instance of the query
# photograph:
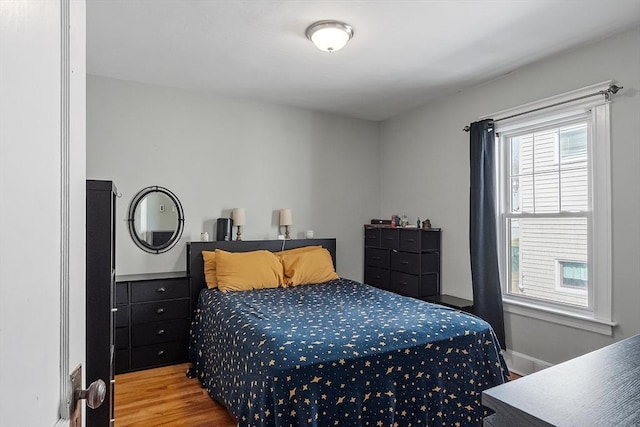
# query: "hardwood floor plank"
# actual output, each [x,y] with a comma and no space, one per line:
[166,397]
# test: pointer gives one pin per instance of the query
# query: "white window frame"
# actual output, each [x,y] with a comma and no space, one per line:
[598,316]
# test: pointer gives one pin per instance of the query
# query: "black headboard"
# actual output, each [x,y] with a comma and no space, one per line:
[195,263]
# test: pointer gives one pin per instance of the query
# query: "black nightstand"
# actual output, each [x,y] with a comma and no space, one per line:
[451,301]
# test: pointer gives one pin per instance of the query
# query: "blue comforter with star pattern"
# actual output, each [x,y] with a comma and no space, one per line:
[342,353]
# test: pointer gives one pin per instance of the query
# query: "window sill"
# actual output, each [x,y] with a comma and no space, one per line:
[552,315]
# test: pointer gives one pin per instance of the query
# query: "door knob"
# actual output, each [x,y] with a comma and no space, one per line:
[94,395]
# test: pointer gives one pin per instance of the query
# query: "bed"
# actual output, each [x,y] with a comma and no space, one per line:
[337,353]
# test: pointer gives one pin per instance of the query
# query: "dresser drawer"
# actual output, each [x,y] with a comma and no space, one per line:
[410,240]
[389,238]
[121,361]
[159,354]
[405,284]
[375,257]
[414,286]
[122,316]
[159,332]
[406,262]
[161,310]
[430,262]
[429,285]
[122,338]
[378,277]
[122,294]
[155,290]
[372,237]
[431,240]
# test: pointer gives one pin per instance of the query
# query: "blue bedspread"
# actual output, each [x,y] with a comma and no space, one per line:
[342,354]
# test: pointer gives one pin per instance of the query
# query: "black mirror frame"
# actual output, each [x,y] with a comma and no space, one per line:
[158,249]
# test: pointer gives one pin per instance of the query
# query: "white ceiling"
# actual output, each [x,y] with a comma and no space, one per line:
[403,53]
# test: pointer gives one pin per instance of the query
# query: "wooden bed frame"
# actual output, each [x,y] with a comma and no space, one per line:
[195,263]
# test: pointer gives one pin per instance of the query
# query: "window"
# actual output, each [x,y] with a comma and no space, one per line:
[572,275]
[554,213]
[548,216]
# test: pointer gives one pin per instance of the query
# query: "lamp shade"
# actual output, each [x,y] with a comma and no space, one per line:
[285,217]
[329,36]
[238,216]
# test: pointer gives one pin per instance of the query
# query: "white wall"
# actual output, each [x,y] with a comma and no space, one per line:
[425,171]
[218,153]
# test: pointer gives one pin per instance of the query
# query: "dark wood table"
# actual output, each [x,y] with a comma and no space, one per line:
[601,388]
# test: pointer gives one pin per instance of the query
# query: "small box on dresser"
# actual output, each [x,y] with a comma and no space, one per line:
[154,313]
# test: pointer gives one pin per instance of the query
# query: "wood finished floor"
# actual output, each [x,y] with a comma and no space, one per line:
[166,397]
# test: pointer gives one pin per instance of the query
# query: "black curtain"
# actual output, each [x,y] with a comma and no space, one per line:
[487,294]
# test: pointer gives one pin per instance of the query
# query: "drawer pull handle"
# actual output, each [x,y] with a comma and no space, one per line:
[161,332]
[160,310]
[404,262]
[404,283]
[388,238]
[161,290]
[161,353]
[378,277]
[113,310]
[377,258]
[409,240]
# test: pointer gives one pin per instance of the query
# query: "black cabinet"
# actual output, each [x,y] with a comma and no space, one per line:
[100,294]
[153,320]
[403,260]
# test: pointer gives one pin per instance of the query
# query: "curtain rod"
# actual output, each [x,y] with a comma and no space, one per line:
[613,89]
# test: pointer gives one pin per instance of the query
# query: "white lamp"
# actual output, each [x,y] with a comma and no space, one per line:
[239,219]
[329,35]
[286,219]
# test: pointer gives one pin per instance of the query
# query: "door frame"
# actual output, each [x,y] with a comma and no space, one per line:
[72,200]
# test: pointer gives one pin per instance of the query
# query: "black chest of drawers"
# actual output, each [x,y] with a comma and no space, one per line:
[403,260]
[152,320]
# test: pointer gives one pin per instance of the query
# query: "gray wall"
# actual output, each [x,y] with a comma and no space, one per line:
[425,171]
[217,153]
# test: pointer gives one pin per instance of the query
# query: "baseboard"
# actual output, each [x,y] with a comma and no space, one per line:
[523,364]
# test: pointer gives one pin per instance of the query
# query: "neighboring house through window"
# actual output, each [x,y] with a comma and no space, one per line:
[554,211]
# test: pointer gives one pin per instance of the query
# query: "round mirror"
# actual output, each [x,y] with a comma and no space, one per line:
[155,219]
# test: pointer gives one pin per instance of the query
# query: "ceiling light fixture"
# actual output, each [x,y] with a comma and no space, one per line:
[329,35]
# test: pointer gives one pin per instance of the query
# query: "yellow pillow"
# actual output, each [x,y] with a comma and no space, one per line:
[298,250]
[245,271]
[305,266]
[209,258]
[295,251]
